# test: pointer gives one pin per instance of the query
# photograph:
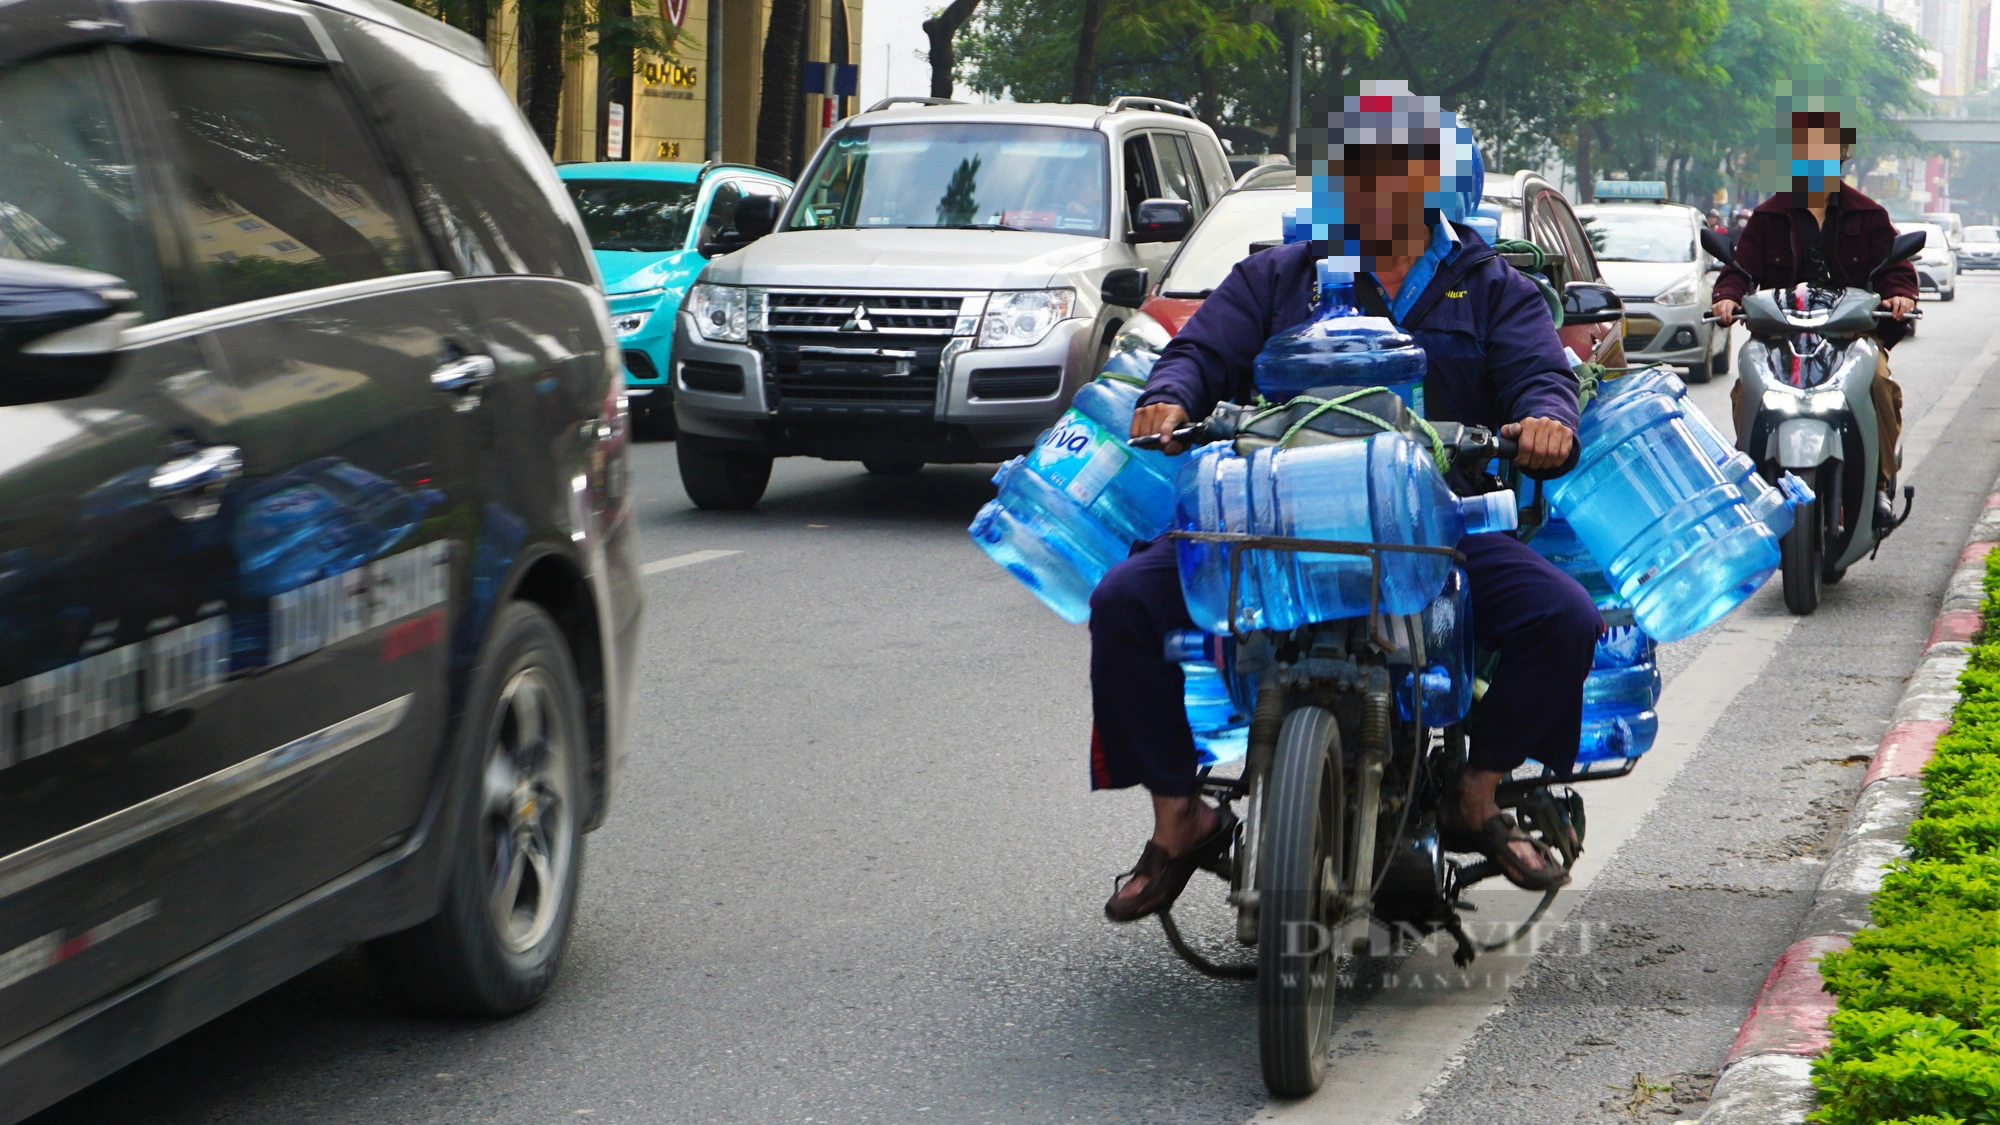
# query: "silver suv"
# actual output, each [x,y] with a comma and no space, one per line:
[943,280]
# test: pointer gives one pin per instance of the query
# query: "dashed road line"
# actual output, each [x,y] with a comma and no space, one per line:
[675,562]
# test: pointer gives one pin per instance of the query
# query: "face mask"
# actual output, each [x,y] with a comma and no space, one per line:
[1818,174]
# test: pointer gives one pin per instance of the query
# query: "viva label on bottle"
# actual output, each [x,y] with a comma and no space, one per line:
[1080,457]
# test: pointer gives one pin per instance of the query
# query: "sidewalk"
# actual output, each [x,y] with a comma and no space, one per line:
[1766,1078]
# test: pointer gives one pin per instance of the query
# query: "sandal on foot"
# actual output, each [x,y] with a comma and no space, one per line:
[1493,840]
[1167,876]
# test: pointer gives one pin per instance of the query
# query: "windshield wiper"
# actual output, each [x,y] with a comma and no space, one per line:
[1186,295]
[978,226]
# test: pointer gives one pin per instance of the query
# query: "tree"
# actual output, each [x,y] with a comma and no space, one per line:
[940,28]
[778,109]
[1224,57]
[540,50]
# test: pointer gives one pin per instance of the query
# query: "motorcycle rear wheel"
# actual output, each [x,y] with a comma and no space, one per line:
[1298,881]
[1800,560]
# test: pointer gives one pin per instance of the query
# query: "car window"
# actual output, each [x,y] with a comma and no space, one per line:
[957,174]
[637,216]
[1178,177]
[68,190]
[1142,180]
[1582,260]
[1982,234]
[1223,238]
[1639,234]
[721,210]
[1543,232]
[1214,166]
[275,186]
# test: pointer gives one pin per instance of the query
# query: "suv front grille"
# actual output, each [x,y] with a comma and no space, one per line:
[873,375]
[819,310]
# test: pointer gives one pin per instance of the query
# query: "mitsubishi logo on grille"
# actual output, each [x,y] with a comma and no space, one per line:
[857,321]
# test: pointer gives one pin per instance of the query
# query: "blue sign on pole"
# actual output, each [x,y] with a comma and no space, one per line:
[835,79]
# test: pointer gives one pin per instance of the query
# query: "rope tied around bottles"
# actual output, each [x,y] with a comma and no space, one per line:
[1323,405]
[1122,377]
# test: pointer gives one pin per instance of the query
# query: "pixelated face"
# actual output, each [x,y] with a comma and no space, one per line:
[1818,136]
[1802,150]
[1386,166]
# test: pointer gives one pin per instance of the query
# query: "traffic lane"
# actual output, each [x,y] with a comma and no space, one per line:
[1691,912]
[853,872]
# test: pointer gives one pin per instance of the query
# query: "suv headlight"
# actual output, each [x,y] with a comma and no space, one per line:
[628,323]
[1021,317]
[1685,293]
[721,312]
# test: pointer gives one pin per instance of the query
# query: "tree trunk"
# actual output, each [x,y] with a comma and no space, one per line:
[940,29]
[1585,183]
[614,76]
[540,37]
[1083,87]
[780,97]
[1205,82]
[1288,116]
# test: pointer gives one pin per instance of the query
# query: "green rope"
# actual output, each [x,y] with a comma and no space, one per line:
[1122,377]
[1323,405]
[1549,295]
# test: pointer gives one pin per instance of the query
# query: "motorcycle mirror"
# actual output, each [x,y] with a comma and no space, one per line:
[1906,246]
[1717,246]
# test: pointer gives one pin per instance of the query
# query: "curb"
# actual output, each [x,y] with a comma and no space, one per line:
[1766,1079]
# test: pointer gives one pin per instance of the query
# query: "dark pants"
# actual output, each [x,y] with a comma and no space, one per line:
[1536,617]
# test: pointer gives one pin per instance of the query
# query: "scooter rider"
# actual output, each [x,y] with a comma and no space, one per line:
[1828,233]
[1494,360]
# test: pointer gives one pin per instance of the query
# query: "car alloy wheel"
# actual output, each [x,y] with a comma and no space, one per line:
[529,813]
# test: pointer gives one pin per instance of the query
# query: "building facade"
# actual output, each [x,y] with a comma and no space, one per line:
[702,101]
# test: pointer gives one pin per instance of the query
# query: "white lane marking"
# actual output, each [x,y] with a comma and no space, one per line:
[1413,1035]
[1922,436]
[675,562]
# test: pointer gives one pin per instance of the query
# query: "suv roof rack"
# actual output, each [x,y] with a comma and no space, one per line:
[910,99]
[715,165]
[1157,105]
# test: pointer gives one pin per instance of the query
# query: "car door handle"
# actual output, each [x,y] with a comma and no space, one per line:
[192,485]
[464,374]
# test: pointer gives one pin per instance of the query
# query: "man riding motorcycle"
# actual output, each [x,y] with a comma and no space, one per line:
[1824,232]
[1493,360]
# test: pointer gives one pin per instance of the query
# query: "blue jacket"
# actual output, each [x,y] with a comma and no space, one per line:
[1491,348]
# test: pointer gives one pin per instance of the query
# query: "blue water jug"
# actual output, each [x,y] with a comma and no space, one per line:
[1674,538]
[1556,541]
[1619,696]
[1381,489]
[1219,718]
[1448,667]
[1340,347]
[1771,505]
[1071,509]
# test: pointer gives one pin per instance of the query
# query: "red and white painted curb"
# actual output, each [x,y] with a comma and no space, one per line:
[1767,1077]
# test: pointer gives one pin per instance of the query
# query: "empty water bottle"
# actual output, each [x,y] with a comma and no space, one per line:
[1220,722]
[1448,669]
[1619,721]
[1383,489]
[1556,541]
[1674,538]
[1771,505]
[1073,508]
[1340,347]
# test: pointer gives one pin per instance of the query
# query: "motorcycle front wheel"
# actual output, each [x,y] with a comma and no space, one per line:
[1800,561]
[1298,882]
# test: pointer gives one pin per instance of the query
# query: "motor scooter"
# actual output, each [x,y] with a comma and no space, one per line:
[1806,373]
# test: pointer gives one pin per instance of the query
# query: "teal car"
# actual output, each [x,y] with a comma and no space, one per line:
[646,221]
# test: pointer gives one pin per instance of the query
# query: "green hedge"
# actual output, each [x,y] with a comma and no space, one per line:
[1916,1039]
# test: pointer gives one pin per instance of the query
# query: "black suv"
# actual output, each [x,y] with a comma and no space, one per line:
[317,604]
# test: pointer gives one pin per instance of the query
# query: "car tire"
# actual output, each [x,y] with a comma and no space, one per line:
[518,836]
[893,468]
[1702,370]
[1720,364]
[1948,294]
[722,480]
[653,424]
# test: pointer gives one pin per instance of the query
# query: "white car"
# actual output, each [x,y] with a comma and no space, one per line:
[1937,266]
[1651,254]
[1980,249]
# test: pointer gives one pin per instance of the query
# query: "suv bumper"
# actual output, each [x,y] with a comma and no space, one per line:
[1665,334]
[990,403]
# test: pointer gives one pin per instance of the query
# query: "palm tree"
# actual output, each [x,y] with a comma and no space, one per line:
[778,110]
